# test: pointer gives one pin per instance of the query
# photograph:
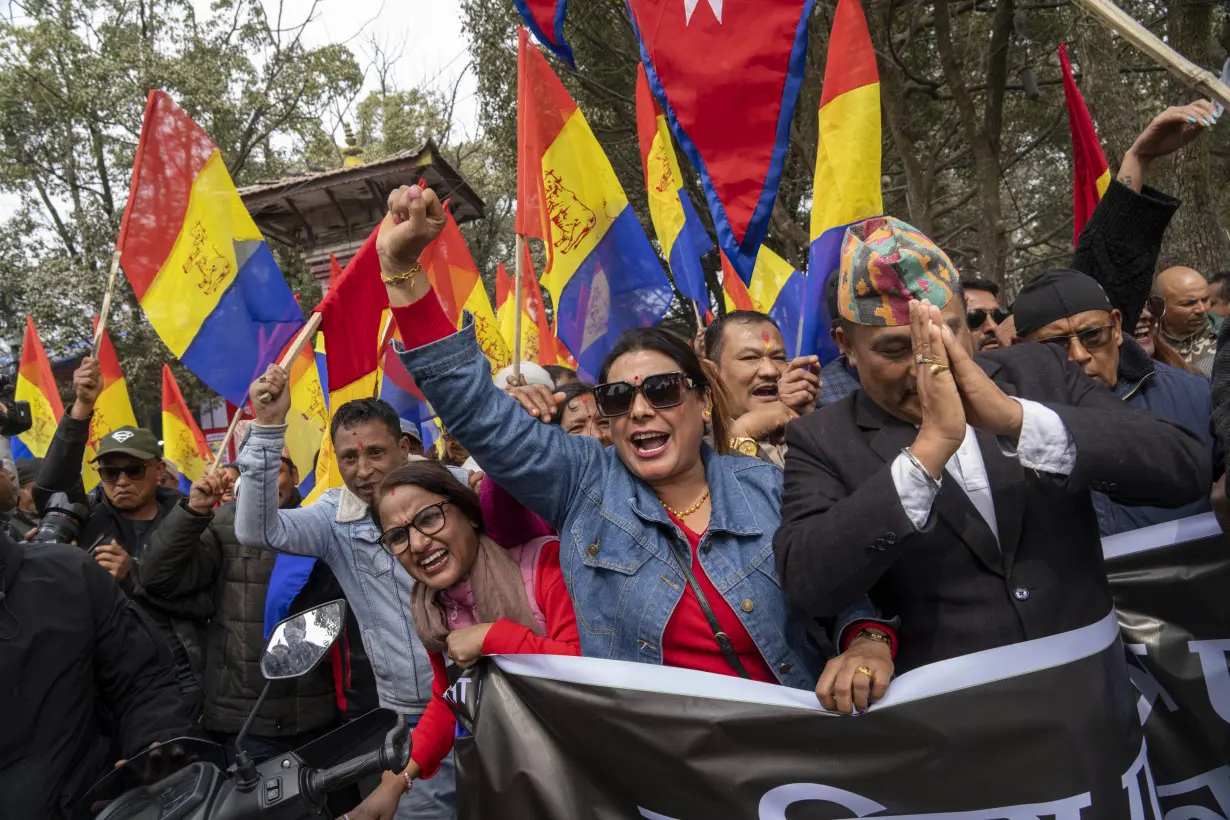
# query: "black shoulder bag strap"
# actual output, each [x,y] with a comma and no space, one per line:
[723,640]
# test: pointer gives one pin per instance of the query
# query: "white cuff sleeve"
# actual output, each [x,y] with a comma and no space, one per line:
[916,489]
[1045,444]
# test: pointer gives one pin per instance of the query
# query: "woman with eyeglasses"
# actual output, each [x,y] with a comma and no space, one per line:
[666,544]
[471,597]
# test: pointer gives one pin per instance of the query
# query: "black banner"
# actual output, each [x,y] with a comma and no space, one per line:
[1171,584]
[1045,729]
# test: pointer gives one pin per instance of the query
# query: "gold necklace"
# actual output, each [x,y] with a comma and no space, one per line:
[689,510]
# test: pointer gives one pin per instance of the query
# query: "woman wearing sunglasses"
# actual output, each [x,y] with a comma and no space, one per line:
[471,598]
[666,545]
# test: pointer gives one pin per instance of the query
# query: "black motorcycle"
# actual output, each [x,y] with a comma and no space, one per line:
[189,779]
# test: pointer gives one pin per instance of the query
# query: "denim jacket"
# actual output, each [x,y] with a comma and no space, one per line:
[338,529]
[618,547]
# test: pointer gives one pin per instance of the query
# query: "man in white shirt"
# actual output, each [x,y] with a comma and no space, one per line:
[955,492]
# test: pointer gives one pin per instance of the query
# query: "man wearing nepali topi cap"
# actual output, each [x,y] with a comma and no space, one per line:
[955,490]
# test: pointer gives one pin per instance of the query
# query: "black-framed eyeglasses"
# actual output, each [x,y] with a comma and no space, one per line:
[977,317]
[1094,338]
[429,521]
[661,390]
[110,475]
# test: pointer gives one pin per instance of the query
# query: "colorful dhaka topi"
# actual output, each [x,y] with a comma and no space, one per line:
[884,264]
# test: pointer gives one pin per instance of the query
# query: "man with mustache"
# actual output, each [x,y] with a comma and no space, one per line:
[1069,310]
[983,313]
[1181,295]
[954,491]
[765,388]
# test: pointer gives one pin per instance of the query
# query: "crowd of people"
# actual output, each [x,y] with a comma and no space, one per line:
[938,489]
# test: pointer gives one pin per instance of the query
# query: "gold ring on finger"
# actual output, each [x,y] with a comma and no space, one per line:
[866,671]
[937,368]
[919,358]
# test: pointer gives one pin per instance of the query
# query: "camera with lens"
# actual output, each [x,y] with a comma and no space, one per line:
[62,520]
[15,417]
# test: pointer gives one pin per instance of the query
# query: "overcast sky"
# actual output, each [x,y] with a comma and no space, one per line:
[427,32]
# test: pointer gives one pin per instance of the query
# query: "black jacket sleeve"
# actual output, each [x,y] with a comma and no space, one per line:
[133,670]
[1120,244]
[1133,456]
[183,556]
[61,470]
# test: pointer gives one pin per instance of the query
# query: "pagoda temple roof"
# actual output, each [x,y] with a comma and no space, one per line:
[328,208]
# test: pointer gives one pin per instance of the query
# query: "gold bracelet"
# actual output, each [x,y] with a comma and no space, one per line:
[397,279]
[873,635]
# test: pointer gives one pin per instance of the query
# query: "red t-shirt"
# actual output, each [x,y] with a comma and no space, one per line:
[433,736]
[688,641]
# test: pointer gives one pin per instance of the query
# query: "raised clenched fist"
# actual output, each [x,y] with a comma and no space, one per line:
[416,217]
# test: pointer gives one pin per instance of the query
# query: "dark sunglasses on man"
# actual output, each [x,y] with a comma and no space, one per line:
[1093,338]
[429,521]
[661,390]
[110,475]
[977,317]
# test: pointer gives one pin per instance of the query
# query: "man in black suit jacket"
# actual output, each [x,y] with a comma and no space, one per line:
[955,492]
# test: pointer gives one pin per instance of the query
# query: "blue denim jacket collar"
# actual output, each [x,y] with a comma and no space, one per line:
[730,510]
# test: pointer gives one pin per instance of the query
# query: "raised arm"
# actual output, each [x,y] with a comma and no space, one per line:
[184,555]
[61,470]
[258,521]
[540,464]
[1120,243]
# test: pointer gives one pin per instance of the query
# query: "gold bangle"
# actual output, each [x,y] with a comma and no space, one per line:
[398,278]
[873,635]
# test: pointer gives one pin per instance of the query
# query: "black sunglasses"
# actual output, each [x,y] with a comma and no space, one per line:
[110,475]
[1093,338]
[429,521]
[661,390]
[977,317]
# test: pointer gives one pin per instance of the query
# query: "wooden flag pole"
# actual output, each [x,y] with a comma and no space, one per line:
[292,352]
[516,362]
[226,440]
[106,304]
[1117,20]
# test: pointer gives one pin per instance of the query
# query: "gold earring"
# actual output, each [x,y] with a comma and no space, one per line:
[707,416]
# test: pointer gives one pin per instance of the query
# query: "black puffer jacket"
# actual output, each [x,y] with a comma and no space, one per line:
[239,579]
[184,615]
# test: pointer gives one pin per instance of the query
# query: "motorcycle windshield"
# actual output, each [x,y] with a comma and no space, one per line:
[149,767]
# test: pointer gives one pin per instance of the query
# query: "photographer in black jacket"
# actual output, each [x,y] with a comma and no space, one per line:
[80,670]
[128,516]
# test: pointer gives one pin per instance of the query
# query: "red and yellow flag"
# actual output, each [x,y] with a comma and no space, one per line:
[183,443]
[37,385]
[454,277]
[1091,174]
[537,335]
[112,411]
[733,289]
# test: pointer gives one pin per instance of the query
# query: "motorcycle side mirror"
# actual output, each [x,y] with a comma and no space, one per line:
[297,645]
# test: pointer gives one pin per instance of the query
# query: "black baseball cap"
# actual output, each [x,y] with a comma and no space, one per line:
[129,441]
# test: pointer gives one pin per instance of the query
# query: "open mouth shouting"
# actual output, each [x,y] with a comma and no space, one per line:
[649,443]
[434,562]
[765,392]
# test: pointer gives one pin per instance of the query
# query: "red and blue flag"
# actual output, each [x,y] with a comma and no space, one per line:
[728,76]
[545,18]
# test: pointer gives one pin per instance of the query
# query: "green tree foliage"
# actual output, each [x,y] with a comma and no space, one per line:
[74,75]
[971,154]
